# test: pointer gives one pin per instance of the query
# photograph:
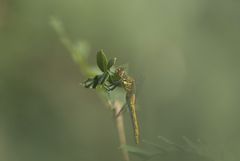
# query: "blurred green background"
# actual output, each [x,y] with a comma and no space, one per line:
[183,54]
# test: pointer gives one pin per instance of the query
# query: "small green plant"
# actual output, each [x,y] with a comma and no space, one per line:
[101,79]
[107,80]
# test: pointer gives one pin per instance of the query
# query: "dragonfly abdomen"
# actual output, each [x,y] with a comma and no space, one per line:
[132,105]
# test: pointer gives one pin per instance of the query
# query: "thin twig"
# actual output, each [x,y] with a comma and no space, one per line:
[121,130]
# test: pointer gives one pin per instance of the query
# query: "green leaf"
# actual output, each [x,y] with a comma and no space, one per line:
[103,78]
[138,152]
[95,81]
[102,61]
[171,143]
[159,147]
[111,62]
[166,140]
[191,144]
[88,83]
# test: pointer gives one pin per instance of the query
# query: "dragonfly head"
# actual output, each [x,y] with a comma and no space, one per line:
[120,71]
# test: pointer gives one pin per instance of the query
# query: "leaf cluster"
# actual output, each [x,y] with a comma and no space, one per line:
[108,75]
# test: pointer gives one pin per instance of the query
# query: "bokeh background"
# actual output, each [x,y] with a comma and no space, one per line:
[184,55]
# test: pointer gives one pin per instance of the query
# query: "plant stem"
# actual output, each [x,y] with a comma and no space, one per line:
[121,130]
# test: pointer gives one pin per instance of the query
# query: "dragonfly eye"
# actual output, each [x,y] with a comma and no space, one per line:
[120,71]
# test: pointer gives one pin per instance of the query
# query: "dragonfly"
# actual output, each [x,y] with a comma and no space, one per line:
[111,79]
[122,79]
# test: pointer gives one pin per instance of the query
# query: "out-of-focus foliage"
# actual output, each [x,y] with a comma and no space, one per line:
[167,150]
[183,54]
